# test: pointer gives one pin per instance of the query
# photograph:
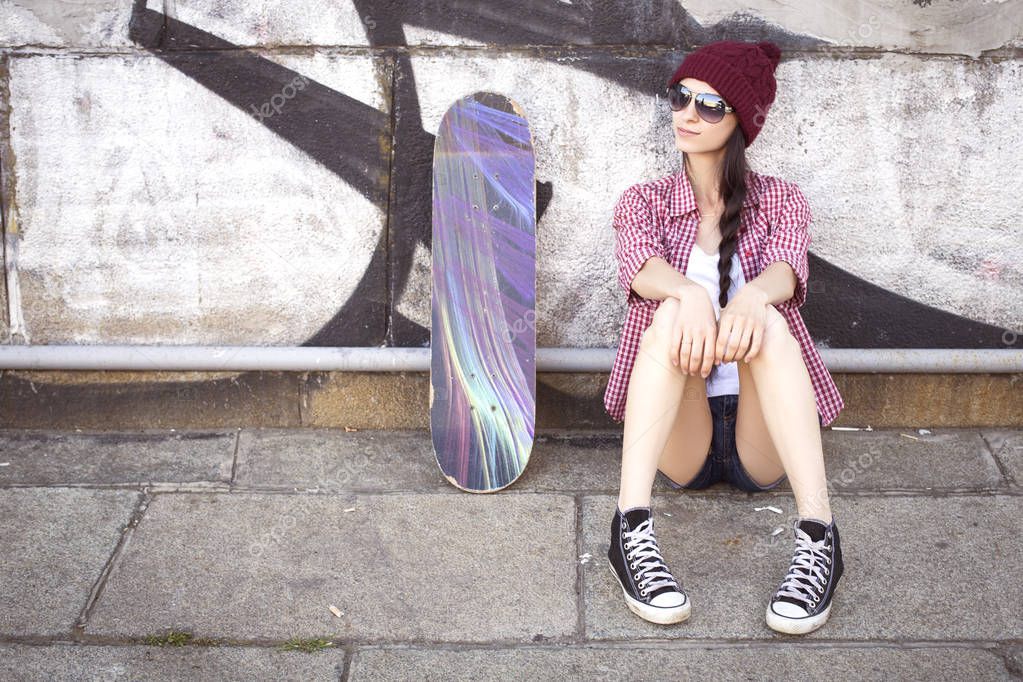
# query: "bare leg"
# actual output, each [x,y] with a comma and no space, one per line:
[789,411]
[659,422]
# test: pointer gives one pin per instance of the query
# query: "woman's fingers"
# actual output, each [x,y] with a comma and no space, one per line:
[755,341]
[703,350]
[708,355]
[679,349]
[732,339]
[695,318]
[677,336]
[724,329]
[744,339]
[696,355]
[686,354]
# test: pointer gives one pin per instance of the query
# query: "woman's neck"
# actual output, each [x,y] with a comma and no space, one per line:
[704,172]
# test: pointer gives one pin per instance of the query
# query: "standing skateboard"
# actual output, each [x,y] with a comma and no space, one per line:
[483,335]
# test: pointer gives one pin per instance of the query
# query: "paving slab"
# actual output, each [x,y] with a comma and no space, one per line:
[1008,448]
[660,661]
[36,457]
[69,661]
[1014,660]
[886,459]
[333,459]
[905,459]
[916,567]
[455,567]
[371,460]
[54,543]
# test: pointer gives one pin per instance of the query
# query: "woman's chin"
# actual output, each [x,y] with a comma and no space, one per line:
[691,147]
[683,145]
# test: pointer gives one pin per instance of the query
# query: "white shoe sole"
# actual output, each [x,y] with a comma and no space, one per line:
[797,626]
[654,614]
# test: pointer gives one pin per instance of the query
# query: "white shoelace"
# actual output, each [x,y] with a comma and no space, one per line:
[807,584]
[647,558]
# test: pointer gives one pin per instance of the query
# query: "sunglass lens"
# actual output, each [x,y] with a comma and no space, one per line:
[678,97]
[710,111]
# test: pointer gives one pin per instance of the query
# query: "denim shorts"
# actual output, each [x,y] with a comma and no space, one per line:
[723,463]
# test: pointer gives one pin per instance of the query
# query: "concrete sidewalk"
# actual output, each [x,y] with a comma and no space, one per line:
[234,546]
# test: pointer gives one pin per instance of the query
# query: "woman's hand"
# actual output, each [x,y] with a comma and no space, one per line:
[694,331]
[741,327]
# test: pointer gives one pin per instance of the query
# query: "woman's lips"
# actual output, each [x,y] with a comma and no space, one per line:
[686,133]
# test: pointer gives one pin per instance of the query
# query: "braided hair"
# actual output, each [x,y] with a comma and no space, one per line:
[733,190]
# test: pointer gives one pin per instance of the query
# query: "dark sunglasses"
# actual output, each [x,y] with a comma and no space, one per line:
[711,108]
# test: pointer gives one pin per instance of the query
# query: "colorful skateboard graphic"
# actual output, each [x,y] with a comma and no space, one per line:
[483,338]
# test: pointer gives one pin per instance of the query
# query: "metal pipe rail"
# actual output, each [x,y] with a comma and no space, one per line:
[382,359]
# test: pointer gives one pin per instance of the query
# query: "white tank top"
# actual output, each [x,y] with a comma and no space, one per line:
[703,269]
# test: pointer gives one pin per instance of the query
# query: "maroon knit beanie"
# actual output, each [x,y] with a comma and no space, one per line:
[743,73]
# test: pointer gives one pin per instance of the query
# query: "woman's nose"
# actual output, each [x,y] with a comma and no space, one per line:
[689,110]
[688,114]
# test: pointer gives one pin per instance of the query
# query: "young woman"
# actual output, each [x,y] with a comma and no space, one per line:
[716,376]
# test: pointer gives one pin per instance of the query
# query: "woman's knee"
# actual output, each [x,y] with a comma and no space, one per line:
[776,331]
[657,336]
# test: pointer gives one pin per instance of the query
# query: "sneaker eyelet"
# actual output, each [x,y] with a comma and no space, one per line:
[643,592]
[632,564]
[635,576]
[828,559]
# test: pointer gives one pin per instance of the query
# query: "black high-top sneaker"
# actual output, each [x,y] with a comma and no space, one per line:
[651,591]
[803,600]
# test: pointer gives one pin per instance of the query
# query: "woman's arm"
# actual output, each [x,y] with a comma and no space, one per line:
[781,283]
[643,269]
[657,279]
[789,241]
[777,283]
[636,239]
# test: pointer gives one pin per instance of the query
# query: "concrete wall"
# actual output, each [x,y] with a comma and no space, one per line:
[227,172]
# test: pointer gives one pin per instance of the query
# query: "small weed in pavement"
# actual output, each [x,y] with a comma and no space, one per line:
[306,645]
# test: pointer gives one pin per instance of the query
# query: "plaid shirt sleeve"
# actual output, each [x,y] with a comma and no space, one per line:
[636,239]
[789,240]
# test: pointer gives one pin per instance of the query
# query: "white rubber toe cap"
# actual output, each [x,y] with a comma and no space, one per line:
[789,610]
[668,600]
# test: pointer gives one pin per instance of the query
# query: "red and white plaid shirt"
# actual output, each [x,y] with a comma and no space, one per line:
[660,218]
